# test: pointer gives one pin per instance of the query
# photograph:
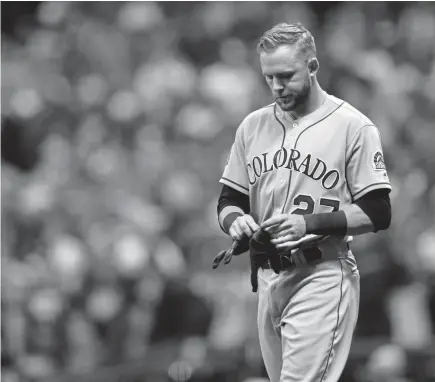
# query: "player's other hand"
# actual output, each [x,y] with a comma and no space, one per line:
[285,229]
[243,226]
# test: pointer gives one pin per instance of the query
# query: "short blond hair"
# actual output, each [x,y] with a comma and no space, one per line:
[287,34]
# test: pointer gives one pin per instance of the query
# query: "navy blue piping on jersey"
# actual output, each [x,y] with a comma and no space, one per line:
[371,185]
[282,145]
[347,184]
[336,325]
[296,142]
[283,127]
[237,184]
[347,162]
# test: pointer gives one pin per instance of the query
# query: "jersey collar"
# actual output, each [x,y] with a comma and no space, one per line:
[327,107]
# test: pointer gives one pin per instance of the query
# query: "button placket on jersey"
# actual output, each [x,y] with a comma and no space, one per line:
[280,188]
[283,174]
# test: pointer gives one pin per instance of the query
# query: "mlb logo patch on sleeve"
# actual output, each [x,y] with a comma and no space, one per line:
[378,161]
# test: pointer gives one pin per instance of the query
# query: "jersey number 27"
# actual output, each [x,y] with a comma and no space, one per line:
[310,203]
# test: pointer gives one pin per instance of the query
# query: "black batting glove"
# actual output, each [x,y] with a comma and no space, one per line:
[237,248]
[261,250]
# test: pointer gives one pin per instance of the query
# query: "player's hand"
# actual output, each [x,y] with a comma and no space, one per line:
[303,243]
[286,230]
[243,226]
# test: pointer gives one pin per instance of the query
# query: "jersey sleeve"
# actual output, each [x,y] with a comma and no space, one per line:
[365,166]
[235,173]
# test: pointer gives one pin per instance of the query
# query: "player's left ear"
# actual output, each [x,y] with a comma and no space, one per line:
[313,66]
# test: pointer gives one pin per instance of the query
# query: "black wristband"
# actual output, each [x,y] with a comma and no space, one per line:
[332,223]
[229,220]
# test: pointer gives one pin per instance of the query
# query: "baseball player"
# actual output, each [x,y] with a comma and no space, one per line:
[304,175]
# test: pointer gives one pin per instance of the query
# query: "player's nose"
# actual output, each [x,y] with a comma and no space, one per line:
[277,86]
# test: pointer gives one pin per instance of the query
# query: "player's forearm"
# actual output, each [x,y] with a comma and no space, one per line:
[371,213]
[358,223]
[227,217]
[349,221]
[231,205]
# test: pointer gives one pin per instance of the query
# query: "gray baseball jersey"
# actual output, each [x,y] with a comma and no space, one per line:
[319,163]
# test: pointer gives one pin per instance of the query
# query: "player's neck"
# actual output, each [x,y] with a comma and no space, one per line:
[314,101]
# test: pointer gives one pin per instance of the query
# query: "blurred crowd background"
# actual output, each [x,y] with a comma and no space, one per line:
[116,121]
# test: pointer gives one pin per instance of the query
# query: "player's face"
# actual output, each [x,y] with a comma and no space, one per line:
[286,72]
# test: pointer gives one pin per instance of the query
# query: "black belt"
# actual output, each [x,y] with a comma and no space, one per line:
[286,261]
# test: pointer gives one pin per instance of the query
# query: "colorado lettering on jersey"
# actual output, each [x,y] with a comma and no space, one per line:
[314,168]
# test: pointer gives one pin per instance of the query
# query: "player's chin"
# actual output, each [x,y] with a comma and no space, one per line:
[285,104]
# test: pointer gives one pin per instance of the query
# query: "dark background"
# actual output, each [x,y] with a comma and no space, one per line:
[117,119]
